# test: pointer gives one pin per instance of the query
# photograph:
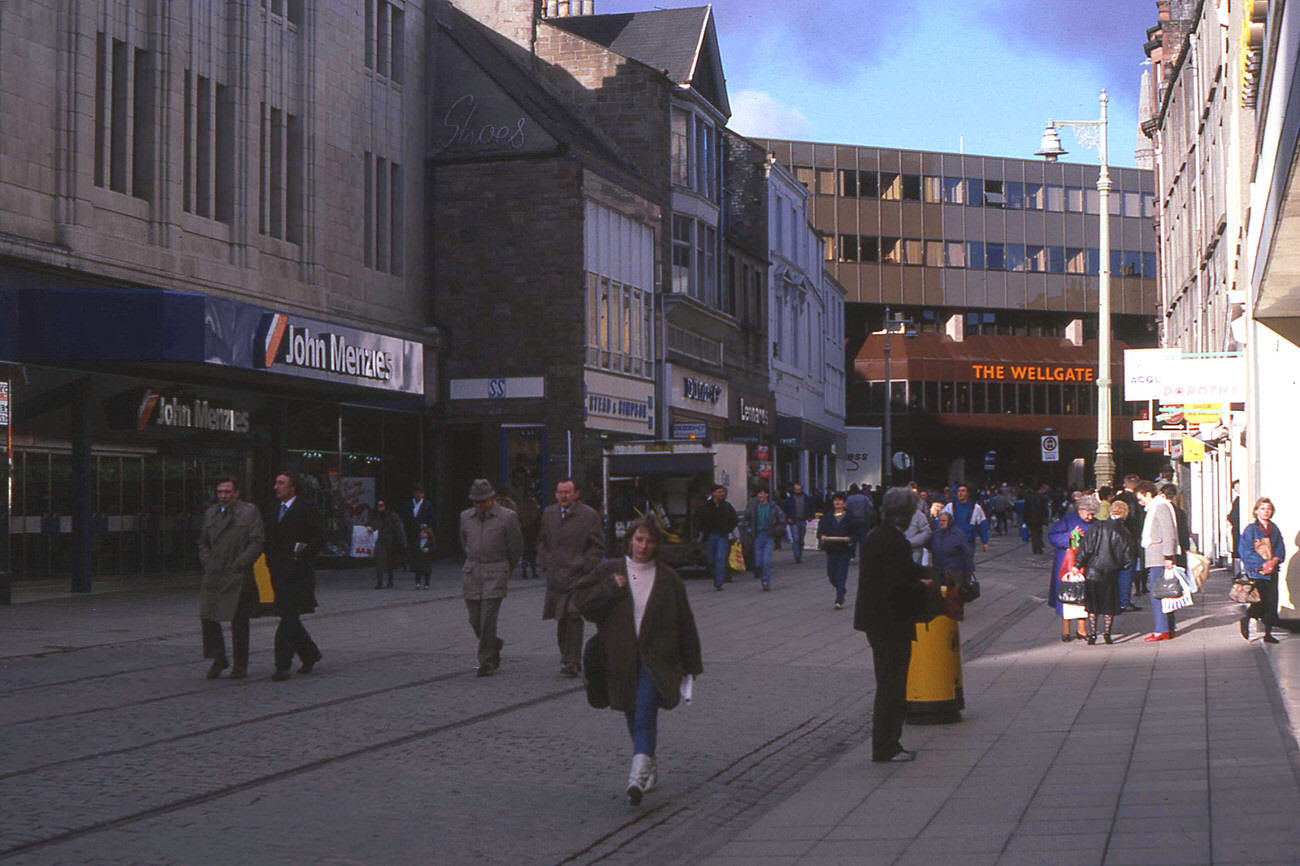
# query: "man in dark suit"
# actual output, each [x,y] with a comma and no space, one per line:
[570,546]
[293,538]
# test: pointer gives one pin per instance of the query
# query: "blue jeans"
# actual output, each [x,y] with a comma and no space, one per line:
[643,718]
[719,547]
[837,569]
[796,538]
[763,556]
[1126,585]
[1163,622]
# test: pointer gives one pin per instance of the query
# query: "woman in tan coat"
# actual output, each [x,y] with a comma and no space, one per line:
[649,641]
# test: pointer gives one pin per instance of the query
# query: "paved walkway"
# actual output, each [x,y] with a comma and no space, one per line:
[115,750]
[1171,753]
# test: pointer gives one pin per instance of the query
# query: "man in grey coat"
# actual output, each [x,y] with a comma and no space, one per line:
[570,545]
[493,542]
[230,541]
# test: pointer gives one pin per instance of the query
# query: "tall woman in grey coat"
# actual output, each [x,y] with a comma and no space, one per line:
[649,641]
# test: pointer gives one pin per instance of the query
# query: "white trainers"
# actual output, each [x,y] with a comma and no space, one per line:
[652,775]
[637,778]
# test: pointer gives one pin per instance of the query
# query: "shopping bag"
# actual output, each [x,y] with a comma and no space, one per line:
[736,559]
[810,536]
[1198,568]
[262,576]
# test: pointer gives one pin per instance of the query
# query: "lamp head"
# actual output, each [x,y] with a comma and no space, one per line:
[1050,147]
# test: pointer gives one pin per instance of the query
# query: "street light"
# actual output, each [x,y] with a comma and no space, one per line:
[887,446]
[1092,134]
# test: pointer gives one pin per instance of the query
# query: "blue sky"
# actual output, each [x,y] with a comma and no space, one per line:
[982,76]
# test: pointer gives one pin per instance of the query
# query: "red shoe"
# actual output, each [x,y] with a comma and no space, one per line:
[1157,635]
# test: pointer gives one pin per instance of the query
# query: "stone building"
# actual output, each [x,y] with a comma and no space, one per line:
[209,263]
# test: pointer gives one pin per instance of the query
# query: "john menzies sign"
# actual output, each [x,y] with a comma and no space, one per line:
[254,338]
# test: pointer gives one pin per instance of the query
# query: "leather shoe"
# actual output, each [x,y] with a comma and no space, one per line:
[485,671]
[1245,627]
[238,672]
[1155,636]
[568,671]
[308,665]
[279,676]
[903,757]
[1129,608]
[216,668]
[1268,638]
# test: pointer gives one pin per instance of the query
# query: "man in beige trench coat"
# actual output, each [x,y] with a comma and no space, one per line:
[570,546]
[230,541]
[493,542]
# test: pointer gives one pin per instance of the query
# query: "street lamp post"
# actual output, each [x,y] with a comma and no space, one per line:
[1092,134]
[887,446]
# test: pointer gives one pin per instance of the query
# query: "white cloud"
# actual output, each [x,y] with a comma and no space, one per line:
[759,114]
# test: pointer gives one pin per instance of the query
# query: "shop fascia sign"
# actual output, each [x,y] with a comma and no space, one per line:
[299,346]
[1171,377]
[751,414]
[157,409]
[1033,373]
[701,390]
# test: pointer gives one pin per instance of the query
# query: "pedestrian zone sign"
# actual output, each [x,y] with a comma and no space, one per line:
[1051,449]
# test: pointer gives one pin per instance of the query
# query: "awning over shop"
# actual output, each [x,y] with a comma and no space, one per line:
[939,357]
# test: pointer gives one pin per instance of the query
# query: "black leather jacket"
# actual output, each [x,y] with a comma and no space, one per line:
[1105,549]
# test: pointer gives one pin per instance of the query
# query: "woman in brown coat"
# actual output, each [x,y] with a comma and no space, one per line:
[649,642]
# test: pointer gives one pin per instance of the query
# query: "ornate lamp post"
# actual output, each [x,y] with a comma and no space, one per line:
[1092,134]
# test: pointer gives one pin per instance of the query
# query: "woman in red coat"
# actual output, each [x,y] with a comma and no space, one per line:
[647,631]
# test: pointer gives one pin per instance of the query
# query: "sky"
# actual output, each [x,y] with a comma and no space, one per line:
[972,76]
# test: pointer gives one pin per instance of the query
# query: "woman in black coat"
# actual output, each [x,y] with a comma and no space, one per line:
[1105,550]
[892,596]
[650,645]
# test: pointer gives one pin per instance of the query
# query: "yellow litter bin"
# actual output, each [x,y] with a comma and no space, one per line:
[934,692]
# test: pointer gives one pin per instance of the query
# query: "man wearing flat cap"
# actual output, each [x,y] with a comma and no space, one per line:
[493,542]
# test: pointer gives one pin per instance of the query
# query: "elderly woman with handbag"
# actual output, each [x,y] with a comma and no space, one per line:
[1065,535]
[1106,549]
[1262,550]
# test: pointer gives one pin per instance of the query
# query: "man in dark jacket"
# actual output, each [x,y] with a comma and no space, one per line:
[570,545]
[1037,513]
[1134,575]
[293,539]
[714,521]
[891,596]
[799,509]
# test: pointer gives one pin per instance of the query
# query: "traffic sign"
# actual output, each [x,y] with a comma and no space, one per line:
[902,461]
[1051,448]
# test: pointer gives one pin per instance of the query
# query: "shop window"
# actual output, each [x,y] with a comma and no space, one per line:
[954,190]
[974,192]
[930,396]
[954,254]
[1055,198]
[913,252]
[877,400]
[1074,260]
[975,254]
[848,248]
[995,257]
[1056,260]
[898,394]
[911,187]
[1015,257]
[994,194]
[932,189]
[947,401]
[1024,399]
[849,182]
[1040,399]
[868,184]
[978,398]
[995,398]
[868,248]
[1069,399]
[891,186]
[1034,196]
[934,254]
[1015,195]
[891,251]
[1053,399]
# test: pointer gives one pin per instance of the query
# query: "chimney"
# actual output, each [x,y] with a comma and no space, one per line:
[569,8]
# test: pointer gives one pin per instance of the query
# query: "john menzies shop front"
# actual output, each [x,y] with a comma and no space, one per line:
[126,405]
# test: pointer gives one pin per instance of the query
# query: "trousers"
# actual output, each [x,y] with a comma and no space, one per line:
[719,547]
[568,634]
[483,619]
[890,656]
[763,556]
[214,643]
[643,717]
[291,638]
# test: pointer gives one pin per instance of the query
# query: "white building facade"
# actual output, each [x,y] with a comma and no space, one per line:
[806,323]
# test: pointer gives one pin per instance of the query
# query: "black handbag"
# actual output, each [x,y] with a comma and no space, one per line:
[969,590]
[1167,585]
[593,673]
[1070,591]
